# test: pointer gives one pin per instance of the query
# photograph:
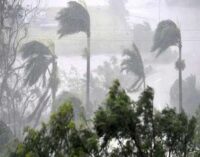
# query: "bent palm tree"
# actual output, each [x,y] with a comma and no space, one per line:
[75,19]
[38,59]
[135,65]
[168,34]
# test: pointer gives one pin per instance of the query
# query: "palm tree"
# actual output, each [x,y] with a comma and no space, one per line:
[75,19]
[38,60]
[168,34]
[134,63]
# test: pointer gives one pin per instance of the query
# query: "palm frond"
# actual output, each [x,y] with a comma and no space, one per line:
[38,58]
[34,48]
[133,63]
[73,19]
[167,34]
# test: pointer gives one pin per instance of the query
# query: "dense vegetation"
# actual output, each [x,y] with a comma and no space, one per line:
[122,127]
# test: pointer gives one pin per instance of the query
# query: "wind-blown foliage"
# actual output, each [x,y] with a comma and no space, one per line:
[73,19]
[69,97]
[127,122]
[59,138]
[167,34]
[122,128]
[140,132]
[134,64]
[38,58]
[197,132]
[40,62]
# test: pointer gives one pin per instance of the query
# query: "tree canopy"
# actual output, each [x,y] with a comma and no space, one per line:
[122,127]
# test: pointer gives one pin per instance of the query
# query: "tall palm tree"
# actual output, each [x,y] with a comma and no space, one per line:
[134,63]
[75,19]
[38,60]
[168,34]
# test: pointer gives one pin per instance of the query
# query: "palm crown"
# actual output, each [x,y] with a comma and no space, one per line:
[73,19]
[133,63]
[38,59]
[167,34]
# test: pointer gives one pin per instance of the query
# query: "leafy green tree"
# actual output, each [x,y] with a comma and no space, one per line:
[140,132]
[176,132]
[134,64]
[197,133]
[126,122]
[75,19]
[122,127]
[170,128]
[168,34]
[78,110]
[59,138]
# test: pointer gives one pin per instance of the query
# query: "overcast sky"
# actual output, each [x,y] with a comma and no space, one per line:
[61,3]
[187,18]
[140,10]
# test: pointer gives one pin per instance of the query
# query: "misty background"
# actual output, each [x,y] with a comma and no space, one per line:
[112,26]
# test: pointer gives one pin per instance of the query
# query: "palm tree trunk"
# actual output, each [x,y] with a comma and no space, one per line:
[88,77]
[180,80]
[54,87]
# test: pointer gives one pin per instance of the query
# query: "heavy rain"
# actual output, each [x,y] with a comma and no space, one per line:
[99,78]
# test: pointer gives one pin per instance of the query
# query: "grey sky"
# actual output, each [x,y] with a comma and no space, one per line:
[62,3]
[152,11]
